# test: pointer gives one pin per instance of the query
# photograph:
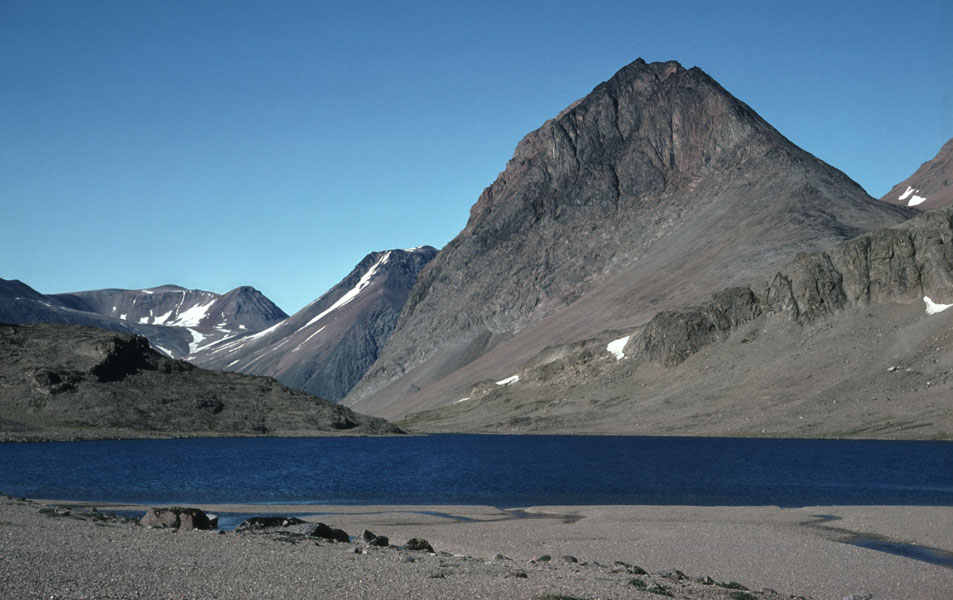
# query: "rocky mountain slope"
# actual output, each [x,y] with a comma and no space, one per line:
[930,186]
[650,193]
[326,347]
[64,381]
[855,341]
[177,321]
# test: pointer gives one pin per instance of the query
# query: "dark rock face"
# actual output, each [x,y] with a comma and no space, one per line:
[63,380]
[930,187]
[176,517]
[650,193]
[325,348]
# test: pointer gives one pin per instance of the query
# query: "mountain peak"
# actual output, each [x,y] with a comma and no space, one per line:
[325,347]
[652,191]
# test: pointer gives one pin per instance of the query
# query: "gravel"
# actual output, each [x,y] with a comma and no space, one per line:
[73,553]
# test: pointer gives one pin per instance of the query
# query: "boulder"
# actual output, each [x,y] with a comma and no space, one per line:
[372,539]
[267,524]
[419,544]
[177,517]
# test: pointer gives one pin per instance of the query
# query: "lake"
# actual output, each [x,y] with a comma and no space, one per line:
[495,470]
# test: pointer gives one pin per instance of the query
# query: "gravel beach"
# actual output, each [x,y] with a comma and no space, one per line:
[483,552]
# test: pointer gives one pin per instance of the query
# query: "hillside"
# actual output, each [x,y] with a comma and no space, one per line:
[71,382]
[855,341]
[326,347]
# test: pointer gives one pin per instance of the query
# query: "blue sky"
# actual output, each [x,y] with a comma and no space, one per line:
[274,144]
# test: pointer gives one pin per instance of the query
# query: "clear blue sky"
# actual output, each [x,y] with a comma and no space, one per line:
[274,144]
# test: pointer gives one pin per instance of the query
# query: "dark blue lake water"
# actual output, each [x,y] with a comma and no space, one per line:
[504,471]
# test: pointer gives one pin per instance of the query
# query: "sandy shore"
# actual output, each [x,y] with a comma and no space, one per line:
[793,551]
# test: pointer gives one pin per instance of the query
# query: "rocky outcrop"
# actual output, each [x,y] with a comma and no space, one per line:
[931,186]
[177,517]
[372,539]
[292,526]
[419,545]
[655,190]
[77,382]
[901,265]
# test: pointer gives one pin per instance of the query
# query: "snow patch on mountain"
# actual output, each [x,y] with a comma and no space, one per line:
[192,316]
[934,308]
[165,351]
[615,347]
[354,291]
[509,380]
[298,347]
[196,342]
[911,193]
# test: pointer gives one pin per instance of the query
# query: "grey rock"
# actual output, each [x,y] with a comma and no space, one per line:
[176,517]
[270,524]
[374,540]
[670,574]
[633,569]
[543,558]
[419,544]
[292,526]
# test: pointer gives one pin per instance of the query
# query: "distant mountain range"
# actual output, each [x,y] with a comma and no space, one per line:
[654,259]
[323,349]
[177,321]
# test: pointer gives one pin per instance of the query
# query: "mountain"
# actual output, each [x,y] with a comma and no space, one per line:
[71,382]
[854,341]
[326,347]
[650,193]
[21,304]
[177,321]
[931,186]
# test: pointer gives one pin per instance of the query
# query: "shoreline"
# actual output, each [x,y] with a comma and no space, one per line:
[803,551]
[19,437]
